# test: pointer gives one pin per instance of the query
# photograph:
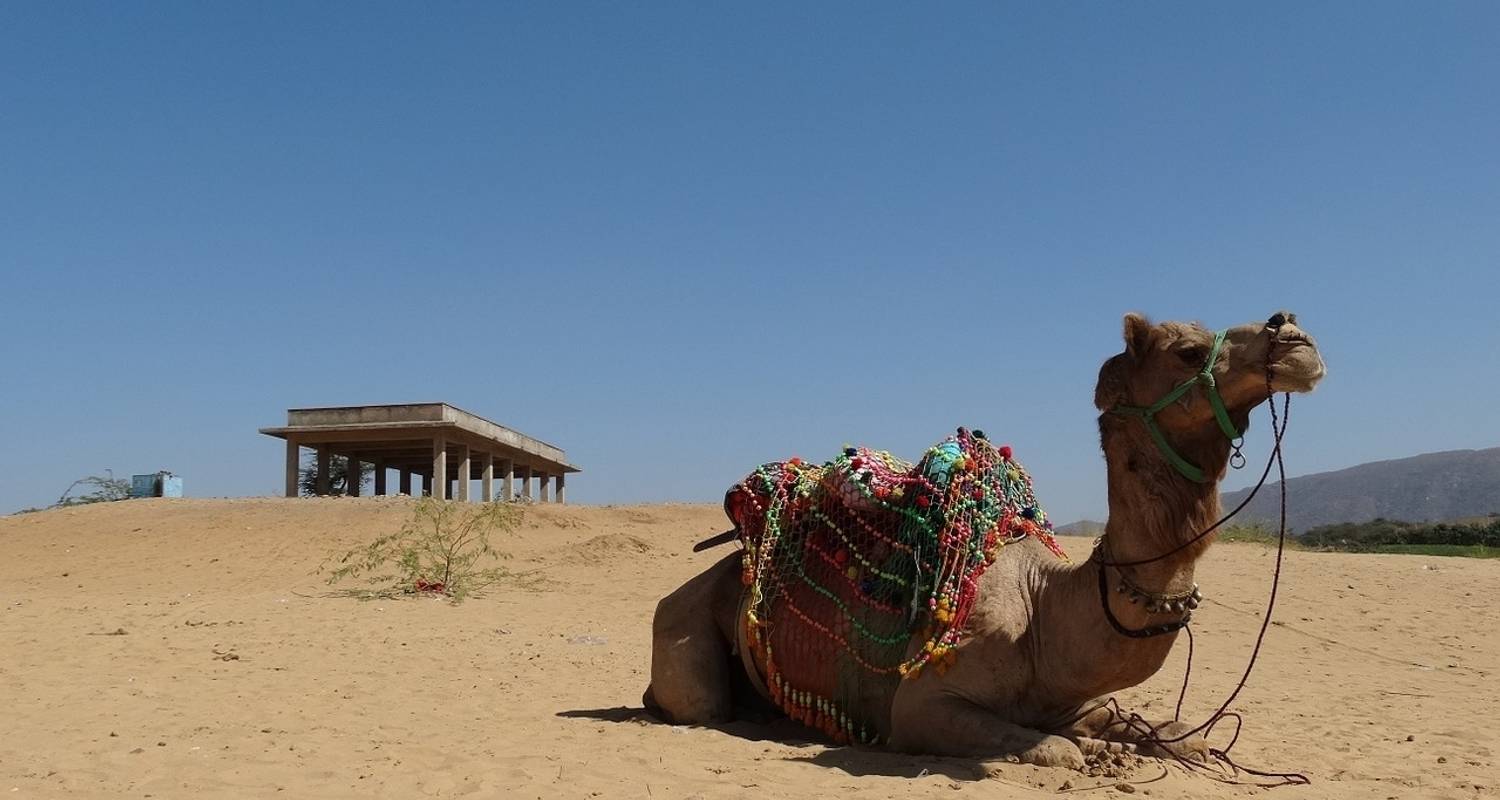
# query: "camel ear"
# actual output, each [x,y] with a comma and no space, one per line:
[1137,334]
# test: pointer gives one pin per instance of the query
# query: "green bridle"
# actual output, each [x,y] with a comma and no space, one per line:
[1205,377]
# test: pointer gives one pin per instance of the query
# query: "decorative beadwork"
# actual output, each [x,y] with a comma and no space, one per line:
[864,570]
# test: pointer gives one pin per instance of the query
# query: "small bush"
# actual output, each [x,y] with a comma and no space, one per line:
[439,550]
[106,489]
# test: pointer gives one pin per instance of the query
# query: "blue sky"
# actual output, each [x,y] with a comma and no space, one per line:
[681,239]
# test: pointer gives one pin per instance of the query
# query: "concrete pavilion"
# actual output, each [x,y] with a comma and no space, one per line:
[446,447]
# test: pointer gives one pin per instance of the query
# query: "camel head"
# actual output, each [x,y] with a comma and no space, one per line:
[1161,380]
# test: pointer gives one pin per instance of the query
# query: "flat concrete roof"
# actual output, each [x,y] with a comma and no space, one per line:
[397,432]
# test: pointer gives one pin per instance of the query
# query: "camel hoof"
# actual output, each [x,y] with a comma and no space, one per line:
[1052,751]
[1193,748]
[648,701]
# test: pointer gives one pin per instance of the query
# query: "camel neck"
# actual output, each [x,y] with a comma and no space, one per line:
[1154,510]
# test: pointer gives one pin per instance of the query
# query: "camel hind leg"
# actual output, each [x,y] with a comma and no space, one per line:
[693,679]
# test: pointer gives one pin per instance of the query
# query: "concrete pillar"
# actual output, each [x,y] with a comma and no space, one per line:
[405,484]
[439,482]
[321,485]
[465,472]
[354,475]
[379,477]
[524,473]
[487,483]
[507,477]
[543,488]
[293,468]
[562,496]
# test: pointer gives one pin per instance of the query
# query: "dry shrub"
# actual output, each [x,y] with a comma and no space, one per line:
[442,549]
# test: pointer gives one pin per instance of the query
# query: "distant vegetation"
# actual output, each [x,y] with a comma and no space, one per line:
[338,475]
[1254,532]
[104,488]
[1473,538]
[1476,539]
[1465,551]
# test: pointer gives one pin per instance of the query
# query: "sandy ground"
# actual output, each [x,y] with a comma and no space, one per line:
[170,649]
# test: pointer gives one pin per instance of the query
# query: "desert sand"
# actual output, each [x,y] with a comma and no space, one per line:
[172,649]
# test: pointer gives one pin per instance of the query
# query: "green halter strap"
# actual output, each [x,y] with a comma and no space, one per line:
[1205,376]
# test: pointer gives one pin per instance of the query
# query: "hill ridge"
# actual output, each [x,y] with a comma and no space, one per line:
[1427,487]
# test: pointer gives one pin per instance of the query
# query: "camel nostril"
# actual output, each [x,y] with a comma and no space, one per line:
[1277,320]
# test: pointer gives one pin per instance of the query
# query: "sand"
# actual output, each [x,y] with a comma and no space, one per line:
[160,648]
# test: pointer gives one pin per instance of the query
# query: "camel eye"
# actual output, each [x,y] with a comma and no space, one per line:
[1193,355]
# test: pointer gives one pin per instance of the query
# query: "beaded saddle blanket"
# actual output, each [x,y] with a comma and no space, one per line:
[862,571]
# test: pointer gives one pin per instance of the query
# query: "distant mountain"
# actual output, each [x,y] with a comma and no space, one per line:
[1083,527]
[1425,488]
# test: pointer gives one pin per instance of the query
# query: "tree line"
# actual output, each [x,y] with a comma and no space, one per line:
[1377,533]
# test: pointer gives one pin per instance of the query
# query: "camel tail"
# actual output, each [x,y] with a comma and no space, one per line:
[716,540]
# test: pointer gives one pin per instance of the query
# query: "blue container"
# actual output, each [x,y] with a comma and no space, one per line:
[159,484]
[142,485]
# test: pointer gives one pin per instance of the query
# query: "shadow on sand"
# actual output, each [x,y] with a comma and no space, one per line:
[853,760]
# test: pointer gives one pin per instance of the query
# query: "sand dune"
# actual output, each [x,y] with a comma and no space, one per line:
[168,649]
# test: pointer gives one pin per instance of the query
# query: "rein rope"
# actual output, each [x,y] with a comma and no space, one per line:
[1148,733]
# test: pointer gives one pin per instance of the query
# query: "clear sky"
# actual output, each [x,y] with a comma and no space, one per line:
[680,239]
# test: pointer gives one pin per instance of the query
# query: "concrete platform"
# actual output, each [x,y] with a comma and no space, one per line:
[438,442]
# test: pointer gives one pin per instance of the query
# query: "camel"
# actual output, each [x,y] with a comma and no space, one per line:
[1046,642]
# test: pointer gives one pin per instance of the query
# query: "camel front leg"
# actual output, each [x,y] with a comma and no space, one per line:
[945,725]
[1104,721]
[692,680]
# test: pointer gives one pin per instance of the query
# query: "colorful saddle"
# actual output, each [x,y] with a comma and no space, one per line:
[862,571]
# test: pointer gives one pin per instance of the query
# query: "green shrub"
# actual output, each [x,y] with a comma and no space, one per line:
[442,549]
